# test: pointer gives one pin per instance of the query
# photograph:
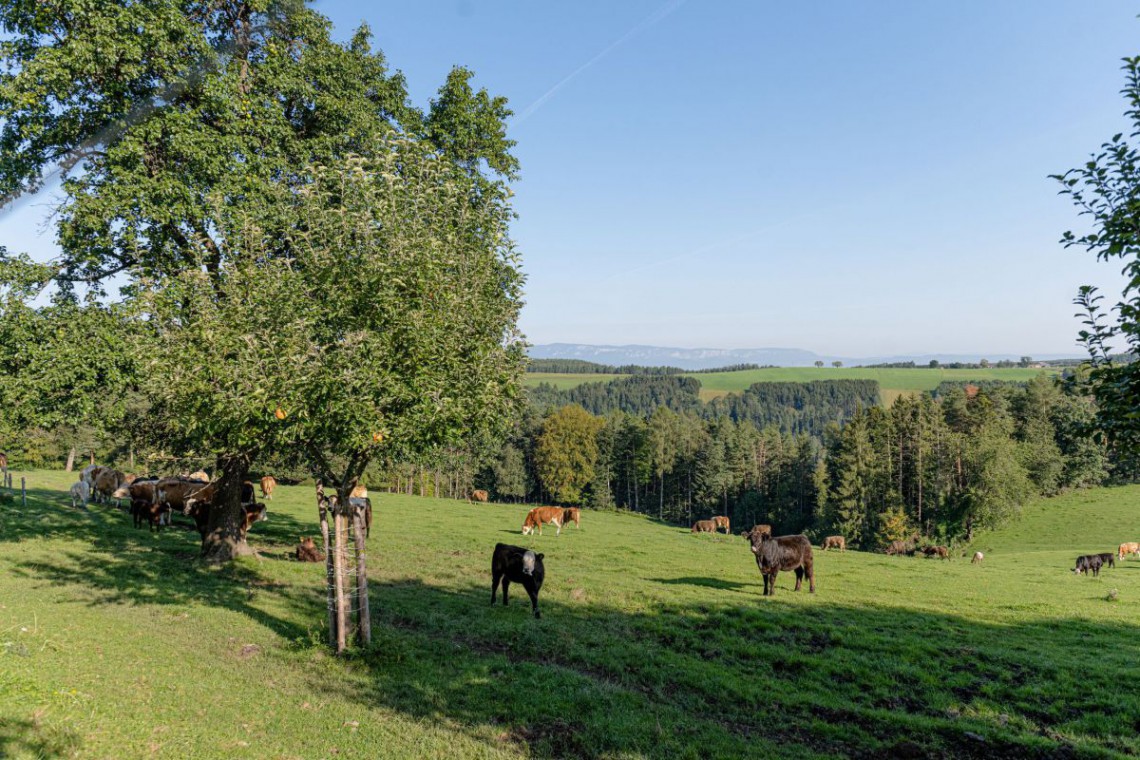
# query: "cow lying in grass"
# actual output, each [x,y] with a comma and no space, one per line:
[514,563]
[540,515]
[703,526]
[1089,563]
[307,551]
[783,553]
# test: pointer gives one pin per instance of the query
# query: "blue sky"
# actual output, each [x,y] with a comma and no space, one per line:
[849,178]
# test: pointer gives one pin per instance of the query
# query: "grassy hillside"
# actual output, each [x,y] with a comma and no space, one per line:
[893,382]
[654,642]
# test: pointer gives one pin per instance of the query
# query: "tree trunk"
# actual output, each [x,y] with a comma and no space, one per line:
[339,578]
[323,513]
[223,533]
[70,460]
[364,626]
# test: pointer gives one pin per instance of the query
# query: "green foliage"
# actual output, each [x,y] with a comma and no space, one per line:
[566,453]
[798,407]
[640,395]
[1107,190]
[372,337]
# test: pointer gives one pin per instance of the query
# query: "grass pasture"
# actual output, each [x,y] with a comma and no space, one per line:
[116,643]
[892,382]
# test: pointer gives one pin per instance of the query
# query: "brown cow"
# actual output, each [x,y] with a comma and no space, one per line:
[480,496]
[703,526]
[757,530]
[539,515]
[359,492]
[722,522]
[144,505]
[783,553]
[200,475]
[307,551]
[107,482]
[176,493]
[251,513]
[936,551]
[834,542]
[268,483]
[907,547]
[572,513]
[1128,548]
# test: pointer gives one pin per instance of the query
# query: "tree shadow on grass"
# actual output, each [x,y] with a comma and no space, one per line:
[766,678]
[717,583]
[32,739]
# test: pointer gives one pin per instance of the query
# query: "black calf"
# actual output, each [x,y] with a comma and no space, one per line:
[514,563]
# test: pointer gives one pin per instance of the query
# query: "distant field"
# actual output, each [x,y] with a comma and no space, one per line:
[892,382]
[116,643]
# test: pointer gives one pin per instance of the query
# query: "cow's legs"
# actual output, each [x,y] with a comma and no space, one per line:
[495,578]
[559,526]
[532,592]
[809,568]
[799,578]
[506,585]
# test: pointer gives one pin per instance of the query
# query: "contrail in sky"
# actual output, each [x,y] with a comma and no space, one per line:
[649,21]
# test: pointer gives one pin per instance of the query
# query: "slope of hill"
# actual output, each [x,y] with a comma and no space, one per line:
[654,642]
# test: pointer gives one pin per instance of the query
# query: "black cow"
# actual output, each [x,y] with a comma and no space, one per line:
[1088,563]
[514,563]
[1108,558]
[783,553]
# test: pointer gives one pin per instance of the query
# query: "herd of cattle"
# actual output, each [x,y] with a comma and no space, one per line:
[153,500]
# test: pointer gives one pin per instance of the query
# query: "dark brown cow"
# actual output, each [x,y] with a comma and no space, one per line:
[572,514]
[834,542]
[307,551]
[907,547]
[936,551]
[144,505]
[251,513]
[783,553]
[703,526]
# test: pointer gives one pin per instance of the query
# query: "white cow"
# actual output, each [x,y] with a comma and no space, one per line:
[80,492]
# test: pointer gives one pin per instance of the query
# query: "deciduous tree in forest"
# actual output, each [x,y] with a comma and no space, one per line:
[566,452]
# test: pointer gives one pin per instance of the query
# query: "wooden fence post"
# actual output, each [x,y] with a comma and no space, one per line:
[24,492]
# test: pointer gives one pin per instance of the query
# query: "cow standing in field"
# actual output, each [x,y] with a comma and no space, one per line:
[783,553]
[1089,563]
[936,551]
[514,563]
[1108,558]
[978,557]
[268,484]
[572,514]
[1128,548]
[540,515]
[756,531]
[80,492]
[703,526]
[834,542]
[480,496]
[107,482]
[722,522]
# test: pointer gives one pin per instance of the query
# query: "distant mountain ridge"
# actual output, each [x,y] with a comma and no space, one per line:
[707,358]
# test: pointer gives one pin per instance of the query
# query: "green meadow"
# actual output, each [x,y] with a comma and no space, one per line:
[654,642]
[893,382]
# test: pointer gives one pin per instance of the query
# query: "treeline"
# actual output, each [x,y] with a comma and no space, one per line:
[943,467]
[583,367]
[806,408]
[790,407]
